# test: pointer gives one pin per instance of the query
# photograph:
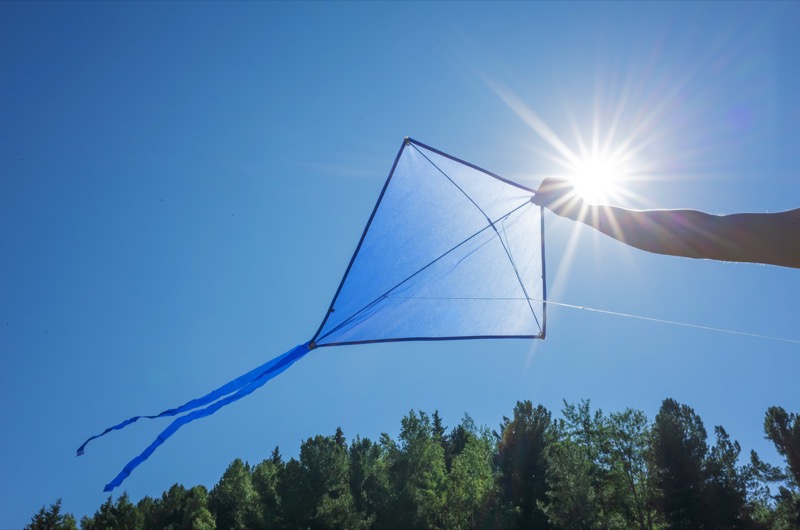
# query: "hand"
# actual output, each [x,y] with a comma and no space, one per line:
[557,194]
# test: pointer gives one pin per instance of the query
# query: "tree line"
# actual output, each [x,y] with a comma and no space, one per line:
[584,470]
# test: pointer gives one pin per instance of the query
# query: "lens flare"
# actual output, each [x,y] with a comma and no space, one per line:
[597,178]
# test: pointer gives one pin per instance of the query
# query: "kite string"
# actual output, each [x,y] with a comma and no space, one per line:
[672,322]
[618,314]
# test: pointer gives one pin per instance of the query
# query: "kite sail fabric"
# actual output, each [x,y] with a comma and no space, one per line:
[450,252]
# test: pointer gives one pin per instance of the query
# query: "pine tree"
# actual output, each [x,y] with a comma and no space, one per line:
[417,476]
[120,515]
[522,468]
[783,429]
[52,519]
[233,499]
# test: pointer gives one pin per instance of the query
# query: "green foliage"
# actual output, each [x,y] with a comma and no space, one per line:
[629,455]
[177,509]
[598,470]
[120,515]
[417,476]
[325,472]
[585,470]
[679,448]
[522,468]
[369,480]
[52,519]
[783,430]
[265,477]
[233,501]
[698,487]
[470,479]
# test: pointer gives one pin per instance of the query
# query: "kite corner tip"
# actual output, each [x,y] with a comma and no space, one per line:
[312,345]
[407,140]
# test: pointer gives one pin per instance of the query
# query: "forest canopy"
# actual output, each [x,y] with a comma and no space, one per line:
[584,470]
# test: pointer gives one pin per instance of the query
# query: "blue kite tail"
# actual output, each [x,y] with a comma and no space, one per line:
[263,374]
[212,396]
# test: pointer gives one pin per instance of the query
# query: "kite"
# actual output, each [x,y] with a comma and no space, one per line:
[450,252]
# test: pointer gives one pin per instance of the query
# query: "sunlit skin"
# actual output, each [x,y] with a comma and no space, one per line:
[768,238]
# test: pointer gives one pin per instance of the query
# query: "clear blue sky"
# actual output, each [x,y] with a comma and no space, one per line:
[182,186]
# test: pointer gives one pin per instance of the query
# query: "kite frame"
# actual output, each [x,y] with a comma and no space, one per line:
[407,141]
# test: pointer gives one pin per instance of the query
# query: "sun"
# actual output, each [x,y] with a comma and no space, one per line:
[596,177]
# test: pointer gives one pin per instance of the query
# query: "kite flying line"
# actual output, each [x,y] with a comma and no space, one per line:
[675,323]
[653,319]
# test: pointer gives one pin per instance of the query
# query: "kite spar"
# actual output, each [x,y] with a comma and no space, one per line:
[450,252]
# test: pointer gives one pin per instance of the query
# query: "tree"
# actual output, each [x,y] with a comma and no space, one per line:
[325,465]
[265,477]
[678,451]
[470,479]
[698,488]
[295,494]
[369,480]
[522,468]
[416,475]
[783,429]
[120,515]
[52,519]
[233,499]
[726,485]
[629,444]
[178,509]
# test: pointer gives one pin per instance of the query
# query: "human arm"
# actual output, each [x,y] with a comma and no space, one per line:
[770,238]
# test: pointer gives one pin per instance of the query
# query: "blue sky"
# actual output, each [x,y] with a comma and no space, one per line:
[182,186]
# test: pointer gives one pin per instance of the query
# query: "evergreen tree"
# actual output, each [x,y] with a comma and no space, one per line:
[522,468]
[678,450]
[325,464]
[265,478]
[233,499]
[120,515]
[698,488]
[457,439]
[52,519]
[295,495]
[783,429]
[470,479]
[369,481]
[725,487]
[178,509]
[417,476]
[276,457]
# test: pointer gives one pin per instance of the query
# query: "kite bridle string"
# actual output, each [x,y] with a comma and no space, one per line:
[388,292]
[499,237]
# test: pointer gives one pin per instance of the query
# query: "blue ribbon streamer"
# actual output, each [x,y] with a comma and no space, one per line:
[222,396]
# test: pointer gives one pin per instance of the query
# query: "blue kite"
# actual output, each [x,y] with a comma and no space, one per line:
[450,252]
